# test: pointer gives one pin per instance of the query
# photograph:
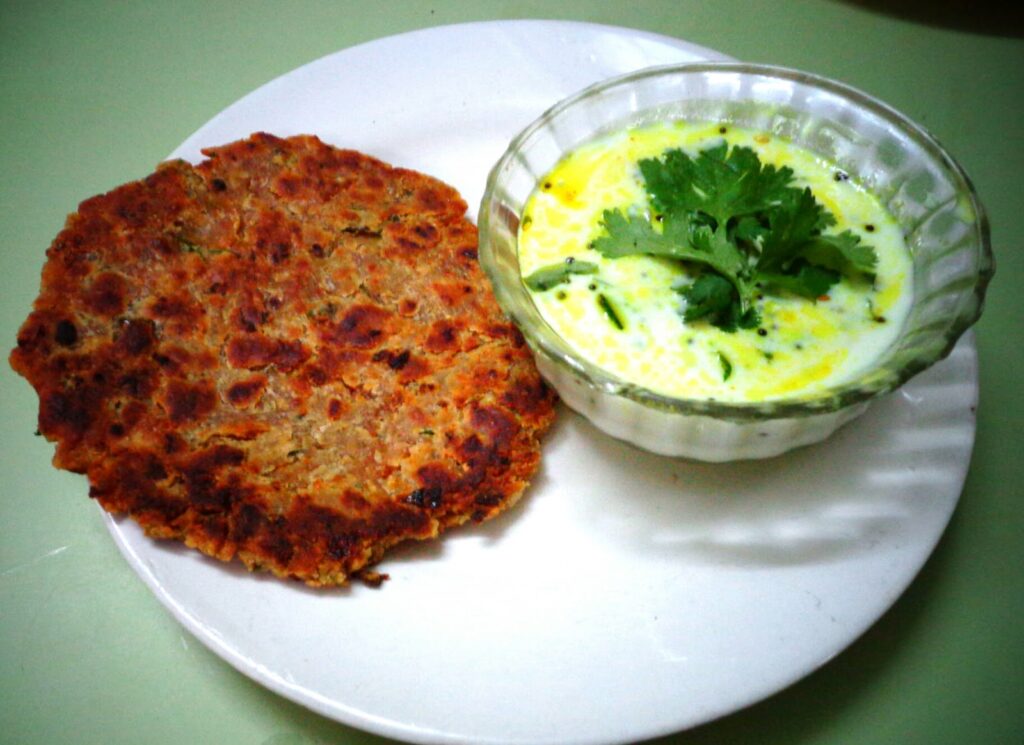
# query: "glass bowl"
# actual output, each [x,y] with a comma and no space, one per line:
[905,167]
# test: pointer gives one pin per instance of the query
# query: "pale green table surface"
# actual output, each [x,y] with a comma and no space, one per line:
[95,94]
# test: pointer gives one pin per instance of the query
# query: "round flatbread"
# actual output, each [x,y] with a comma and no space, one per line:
[286,354]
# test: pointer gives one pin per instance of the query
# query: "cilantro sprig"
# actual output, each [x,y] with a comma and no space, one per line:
[743,224]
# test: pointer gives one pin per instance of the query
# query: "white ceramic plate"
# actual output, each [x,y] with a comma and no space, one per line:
[628,595]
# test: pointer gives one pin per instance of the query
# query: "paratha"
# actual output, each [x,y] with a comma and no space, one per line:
[286,354]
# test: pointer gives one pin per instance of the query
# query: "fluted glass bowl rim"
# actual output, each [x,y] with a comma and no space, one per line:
[831,400]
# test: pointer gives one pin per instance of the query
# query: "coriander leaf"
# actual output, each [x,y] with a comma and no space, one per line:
[749,229]
[555,274]
[720,182]
[711,294]
[803,199]
[795,232]
[808,281]
[715,299]
[842,253]
[791,224]
[679,239]
[716,250]
[629,235]
[749,319]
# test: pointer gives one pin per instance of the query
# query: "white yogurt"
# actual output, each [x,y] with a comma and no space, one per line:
[803,346]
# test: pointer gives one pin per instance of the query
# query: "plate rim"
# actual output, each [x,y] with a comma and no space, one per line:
[706,54]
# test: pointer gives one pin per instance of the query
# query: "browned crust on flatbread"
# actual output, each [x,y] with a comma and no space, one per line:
[286,354]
